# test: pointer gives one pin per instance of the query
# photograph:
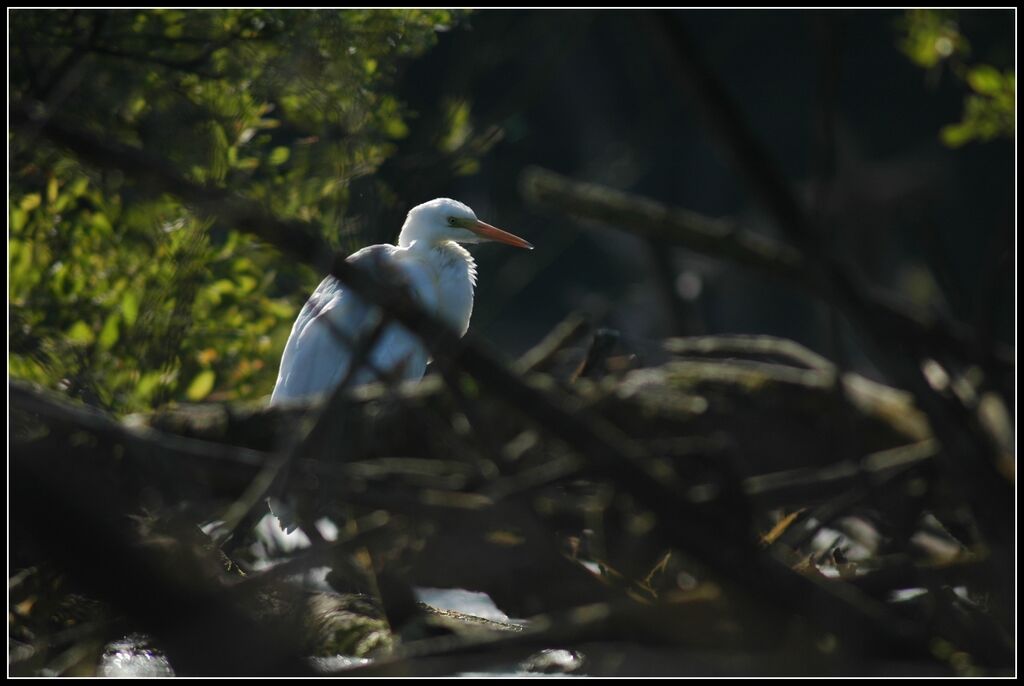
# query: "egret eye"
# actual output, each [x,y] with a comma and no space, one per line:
[451,221]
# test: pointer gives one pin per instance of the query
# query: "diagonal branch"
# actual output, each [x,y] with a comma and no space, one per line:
[607,450]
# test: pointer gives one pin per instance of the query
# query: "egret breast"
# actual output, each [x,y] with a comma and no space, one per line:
[456,278]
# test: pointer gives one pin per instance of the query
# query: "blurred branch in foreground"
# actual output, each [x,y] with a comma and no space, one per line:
[700,449]
[639,405]
[604,447]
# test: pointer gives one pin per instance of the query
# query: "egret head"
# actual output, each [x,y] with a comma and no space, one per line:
[443,219]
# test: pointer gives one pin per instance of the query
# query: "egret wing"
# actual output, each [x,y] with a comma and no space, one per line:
[319,349]
[313,355]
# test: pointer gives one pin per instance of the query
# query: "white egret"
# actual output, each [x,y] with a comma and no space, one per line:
[429,261]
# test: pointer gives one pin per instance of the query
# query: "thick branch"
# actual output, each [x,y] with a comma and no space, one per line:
[894,322]
[667,225]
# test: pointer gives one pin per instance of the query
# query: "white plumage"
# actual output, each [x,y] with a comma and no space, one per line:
[429,261]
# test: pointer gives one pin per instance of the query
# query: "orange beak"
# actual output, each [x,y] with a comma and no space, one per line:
[493,233]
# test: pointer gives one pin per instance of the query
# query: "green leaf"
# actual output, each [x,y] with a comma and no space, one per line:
[100,222]
[467,166]
[111,331]
[247,284]
[396,128]
[130,307]
[20,266]
[985,79]
[79,186]
[956,135]
[201,385]
[19,218]
[30,202]
[281,309]
[82,333]
[279,156]
[459,125]
[148,385]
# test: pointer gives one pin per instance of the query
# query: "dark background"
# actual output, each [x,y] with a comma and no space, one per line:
[590,95]
[853,125]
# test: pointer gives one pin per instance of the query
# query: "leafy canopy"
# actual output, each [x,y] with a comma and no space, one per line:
[121,296]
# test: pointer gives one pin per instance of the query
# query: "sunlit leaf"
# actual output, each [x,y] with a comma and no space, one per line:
[100,222]
[80,332]
[985,79]
[18,219]
[148,385]
[130,307]
[201,385]
[30,202]
[396,128]
[279,155]
[110,332]
[955,135]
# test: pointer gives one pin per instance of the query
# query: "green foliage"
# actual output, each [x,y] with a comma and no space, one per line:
[122,296]
[988,111]
[932,38]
